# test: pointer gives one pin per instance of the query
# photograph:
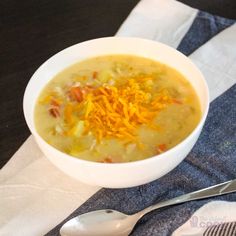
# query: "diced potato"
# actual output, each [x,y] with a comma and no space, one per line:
[58,129]
[130,148]
[79,128]
[105,76]
[149,84]
[80,145]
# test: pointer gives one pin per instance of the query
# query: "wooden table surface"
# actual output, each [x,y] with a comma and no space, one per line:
[32,31]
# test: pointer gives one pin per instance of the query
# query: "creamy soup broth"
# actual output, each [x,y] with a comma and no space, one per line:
[117,108]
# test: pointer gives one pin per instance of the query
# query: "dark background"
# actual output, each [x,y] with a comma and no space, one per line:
[32,31]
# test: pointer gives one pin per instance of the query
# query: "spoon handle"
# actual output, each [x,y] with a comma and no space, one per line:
[216,190]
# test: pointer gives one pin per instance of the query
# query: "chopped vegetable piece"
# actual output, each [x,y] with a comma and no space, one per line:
[68,114]
[104,76]
[149,83]
[79,128]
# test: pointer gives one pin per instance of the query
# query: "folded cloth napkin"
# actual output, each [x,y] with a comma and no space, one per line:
[35,196]
[210,220]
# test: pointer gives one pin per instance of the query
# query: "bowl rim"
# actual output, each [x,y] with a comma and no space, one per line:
[122,164]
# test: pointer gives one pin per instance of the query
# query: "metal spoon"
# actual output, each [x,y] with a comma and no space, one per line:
[110,222]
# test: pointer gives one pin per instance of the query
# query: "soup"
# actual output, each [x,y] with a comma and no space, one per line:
[116,108]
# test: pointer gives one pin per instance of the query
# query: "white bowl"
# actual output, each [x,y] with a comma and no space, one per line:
[118,175]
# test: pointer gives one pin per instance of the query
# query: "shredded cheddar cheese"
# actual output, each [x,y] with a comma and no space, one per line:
[112,111]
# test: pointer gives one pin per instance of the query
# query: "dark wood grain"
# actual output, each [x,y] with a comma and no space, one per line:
[32,31]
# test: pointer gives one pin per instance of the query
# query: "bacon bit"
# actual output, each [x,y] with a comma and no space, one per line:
[176,101]
[87,89]
[76,94]
[54,111]
[107,160]
[112,159]
[95,75]
[55,102]
[161,148]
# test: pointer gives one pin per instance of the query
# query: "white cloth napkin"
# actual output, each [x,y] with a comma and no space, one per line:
[34,195]
[213,213]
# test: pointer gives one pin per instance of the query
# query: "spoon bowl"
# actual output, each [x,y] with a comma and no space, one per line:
[100,223]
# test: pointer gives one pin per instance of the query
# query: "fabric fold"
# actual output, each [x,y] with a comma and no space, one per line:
[216,59]
[166,21]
